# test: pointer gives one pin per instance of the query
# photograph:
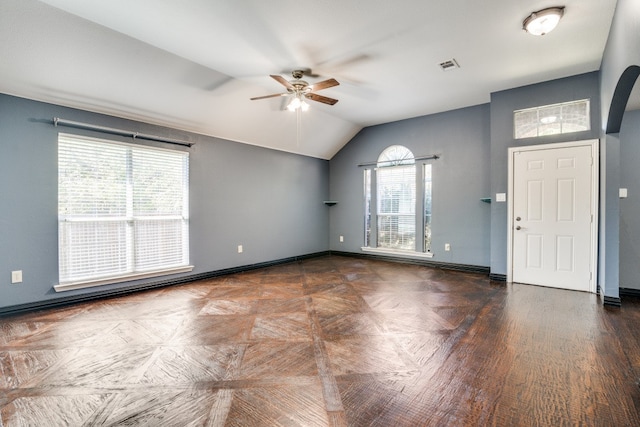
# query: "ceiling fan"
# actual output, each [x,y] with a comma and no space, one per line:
[301,90]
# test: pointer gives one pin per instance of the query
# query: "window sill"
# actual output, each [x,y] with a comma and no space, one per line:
[70,286]
[400,253]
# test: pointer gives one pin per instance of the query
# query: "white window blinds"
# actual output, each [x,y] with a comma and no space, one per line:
[396,207]
[122,209]
[396,186]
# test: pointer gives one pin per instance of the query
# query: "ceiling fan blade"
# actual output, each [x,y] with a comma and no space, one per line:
[282,81]
[324,84]
[320,98]
[269,96]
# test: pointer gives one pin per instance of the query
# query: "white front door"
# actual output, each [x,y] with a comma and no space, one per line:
[552,218]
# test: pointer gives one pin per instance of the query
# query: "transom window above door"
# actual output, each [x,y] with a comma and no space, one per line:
[553,119]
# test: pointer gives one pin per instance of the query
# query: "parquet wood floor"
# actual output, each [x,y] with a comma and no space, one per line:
[331,341]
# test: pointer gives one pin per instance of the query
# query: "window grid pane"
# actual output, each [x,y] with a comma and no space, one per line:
[397,232]
[91,182]
[550,120]
[526,124]
[92,249]
[575,117]
[397,190]
[157,184]
[159,244]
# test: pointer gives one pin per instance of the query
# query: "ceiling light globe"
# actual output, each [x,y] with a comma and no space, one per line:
[294,104]
[543,21]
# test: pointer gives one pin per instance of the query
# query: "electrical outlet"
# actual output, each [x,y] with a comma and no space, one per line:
[447,247]
[240,249]
[341,239]
[16,276]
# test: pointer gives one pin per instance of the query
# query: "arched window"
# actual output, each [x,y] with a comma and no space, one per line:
[396,201]
[391,222]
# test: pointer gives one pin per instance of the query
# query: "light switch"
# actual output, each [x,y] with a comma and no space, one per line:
[16,276]
[623,193]
[501,197]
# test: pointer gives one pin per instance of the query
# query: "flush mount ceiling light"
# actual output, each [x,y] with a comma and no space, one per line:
[543,21]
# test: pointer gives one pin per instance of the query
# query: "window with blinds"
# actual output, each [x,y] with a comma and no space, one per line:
[367,207]
[123,210]
[397,206]
[426,184]
[394,196]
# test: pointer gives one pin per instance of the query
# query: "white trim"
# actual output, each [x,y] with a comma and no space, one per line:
[118,279]
[595,170]
[399,253]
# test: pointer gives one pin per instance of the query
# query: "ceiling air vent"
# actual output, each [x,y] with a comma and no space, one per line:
[451,64]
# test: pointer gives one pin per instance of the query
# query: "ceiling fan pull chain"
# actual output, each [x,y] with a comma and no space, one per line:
[298,126]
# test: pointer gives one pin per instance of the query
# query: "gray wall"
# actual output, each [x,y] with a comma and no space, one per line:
[622,51]
[503,104]
[630,207]
[460,180]
[266,200]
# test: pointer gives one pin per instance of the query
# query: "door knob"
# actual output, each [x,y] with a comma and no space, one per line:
[518,228]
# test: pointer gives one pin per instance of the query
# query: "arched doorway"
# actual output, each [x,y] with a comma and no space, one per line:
[621,260]
[621,98]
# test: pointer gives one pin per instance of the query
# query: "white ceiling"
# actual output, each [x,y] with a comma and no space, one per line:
[194,64]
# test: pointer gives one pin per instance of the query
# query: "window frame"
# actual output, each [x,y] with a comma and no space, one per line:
[561,123]
[427,204]
[131,219]
[370,205]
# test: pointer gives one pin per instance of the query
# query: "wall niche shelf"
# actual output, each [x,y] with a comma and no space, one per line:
[330,202]
[486,199]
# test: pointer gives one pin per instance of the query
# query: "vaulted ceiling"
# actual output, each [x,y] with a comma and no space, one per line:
[194,64]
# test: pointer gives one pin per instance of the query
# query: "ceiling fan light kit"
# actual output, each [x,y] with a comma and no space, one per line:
[543,21]
[297,103]
[300,91]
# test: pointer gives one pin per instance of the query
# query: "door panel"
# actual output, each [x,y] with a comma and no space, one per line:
[535,202]
[566,200]
[564,254]
[534,250]
[552,217]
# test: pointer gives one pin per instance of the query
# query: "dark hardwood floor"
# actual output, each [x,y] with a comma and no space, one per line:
[331,341]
